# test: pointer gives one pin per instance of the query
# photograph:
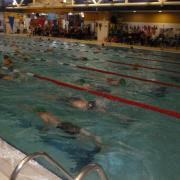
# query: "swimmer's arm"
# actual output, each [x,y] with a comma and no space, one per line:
[7,77]
[45,119]
[53,120]
[92,136]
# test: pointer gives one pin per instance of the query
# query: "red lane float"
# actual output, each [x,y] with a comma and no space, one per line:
[161,61]
[113,98]
[145,67]
[154,60]
[127,76]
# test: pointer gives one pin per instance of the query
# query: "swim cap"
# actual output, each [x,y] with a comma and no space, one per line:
[81,81]
[122,82]
[6,56]
[39,109]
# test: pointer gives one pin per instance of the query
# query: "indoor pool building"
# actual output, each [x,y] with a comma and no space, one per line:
[89,89]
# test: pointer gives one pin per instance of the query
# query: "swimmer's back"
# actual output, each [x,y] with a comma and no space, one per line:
[69,128]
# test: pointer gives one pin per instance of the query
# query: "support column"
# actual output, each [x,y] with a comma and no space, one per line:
[1,22]
[102,30]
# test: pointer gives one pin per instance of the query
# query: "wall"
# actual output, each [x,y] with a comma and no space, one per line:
[1,22]
[166,21]
[96,16]
[151,17]
[148,17]
[170,22]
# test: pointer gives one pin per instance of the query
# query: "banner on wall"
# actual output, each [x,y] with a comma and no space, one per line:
[11,22]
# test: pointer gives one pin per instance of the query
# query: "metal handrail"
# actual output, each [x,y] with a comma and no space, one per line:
[85,171]
[89,168]
[34,155]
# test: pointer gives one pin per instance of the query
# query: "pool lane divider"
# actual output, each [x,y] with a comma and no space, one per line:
[127,76]
[145,67]
[154,60]
[122,75]
[175,63]
[110,96]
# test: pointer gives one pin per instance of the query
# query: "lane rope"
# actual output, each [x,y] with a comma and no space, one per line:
[145,67]
[153,60]
[127,76]
[110,97]
[161,61]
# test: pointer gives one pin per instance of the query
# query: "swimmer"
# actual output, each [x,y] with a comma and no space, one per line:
[7,62]
[97,50]
[116,82]
[6,77]
[82,82]
[50,49]
[160,92]
[7,66]
[69,128]
[83,59]
[83,104]
[111,81]
[79,103]
[136,67]
[10,74]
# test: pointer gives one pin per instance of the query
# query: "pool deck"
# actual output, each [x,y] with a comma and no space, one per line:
[95,42]
[10,157]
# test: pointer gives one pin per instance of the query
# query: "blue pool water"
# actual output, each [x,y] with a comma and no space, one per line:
[138,143]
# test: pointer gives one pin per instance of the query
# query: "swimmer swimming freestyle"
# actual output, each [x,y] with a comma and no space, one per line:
[69,128]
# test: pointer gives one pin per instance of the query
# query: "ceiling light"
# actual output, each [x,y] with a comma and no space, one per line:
[70,13]
[82,14]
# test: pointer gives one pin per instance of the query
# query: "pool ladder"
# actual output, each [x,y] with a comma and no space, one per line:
[85,171]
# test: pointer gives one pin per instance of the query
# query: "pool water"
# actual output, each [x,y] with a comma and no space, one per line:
[137,143]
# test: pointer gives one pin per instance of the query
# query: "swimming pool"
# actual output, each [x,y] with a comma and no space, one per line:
[137,143]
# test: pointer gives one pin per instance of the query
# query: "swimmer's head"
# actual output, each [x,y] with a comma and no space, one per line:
[7,61]
[39,110]
[136,66]
[91,105]
[122,82]
[81,81]
[6,56]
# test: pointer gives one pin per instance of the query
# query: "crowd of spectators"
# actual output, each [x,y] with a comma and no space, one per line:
[132,35]
[145,36]
[44,27]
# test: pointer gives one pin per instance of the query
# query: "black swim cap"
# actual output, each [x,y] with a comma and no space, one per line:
[39,109]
